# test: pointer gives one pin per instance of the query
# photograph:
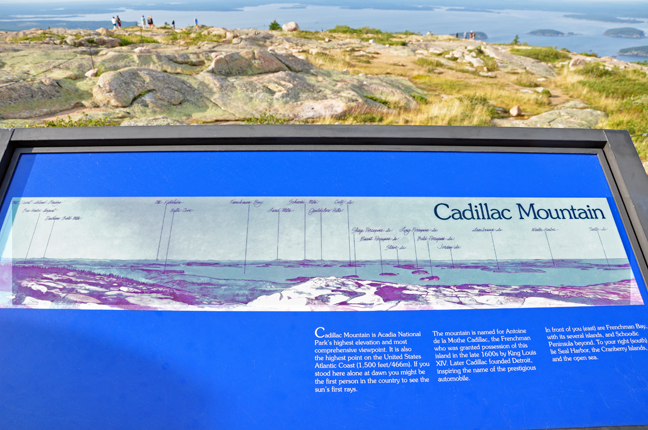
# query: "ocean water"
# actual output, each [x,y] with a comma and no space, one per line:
[500,25]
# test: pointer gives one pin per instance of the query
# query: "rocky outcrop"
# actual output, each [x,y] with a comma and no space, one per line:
[508,61]
[121,88]
[39,98]
[245,63]
[565,116]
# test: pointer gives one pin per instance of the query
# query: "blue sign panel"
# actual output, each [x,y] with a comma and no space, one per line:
[318,289]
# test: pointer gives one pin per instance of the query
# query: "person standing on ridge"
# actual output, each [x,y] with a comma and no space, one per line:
[196,21]
[118,22]
[114,23]
[173,24]
[143,22]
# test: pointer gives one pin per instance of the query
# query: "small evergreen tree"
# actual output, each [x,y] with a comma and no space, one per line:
[274,25]
[516,41]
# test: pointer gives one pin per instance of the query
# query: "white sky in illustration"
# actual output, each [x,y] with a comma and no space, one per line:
[212,228]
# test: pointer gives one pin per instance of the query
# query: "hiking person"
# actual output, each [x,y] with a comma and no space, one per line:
[143,22]
[173,24]
[118,22]
[465,35]
[150,21]
[196,21]
[114,23]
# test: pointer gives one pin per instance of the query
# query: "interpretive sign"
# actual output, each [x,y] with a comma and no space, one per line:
[325,253]
[323,277]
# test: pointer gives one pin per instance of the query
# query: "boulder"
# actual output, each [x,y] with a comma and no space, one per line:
[91,73]
[516,111]
[157,120]
[577,62]
[121,88]
[291,26]
[573,105]
[476,62]
[142,50]
[104,31]
[245,63]
[108,42]
[329,108]
[562,118]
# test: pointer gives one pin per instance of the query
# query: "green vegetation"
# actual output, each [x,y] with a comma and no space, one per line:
[312,35]
[368,33]
[84,121]
[364,118]
[378,100]
[419,98]
[489,62]
[274,26]
[526,80]
[589,54]
[516,40]
[546,54]
[345,29]
[41,37]
[267,117]
[133,39]
[614,83]
[191,38]
[622,94]
[430,63]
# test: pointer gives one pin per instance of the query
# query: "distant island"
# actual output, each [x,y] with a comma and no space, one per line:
[552,33]
[602,17]
[629,32]
[638,51]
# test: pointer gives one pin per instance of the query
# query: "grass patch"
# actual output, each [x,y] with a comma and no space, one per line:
[132,39]
[622,94]
[326,61]
[378,100]
[546,54]
[419,98]
[40,37]
[614,83]
[267,117]
[191,38]
[345,29]
[311,35]
[489,62]
[367,33]
[364,118]
[426,62]
[84,121]
[527,81]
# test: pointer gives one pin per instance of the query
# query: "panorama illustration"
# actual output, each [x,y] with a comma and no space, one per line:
[312,254]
